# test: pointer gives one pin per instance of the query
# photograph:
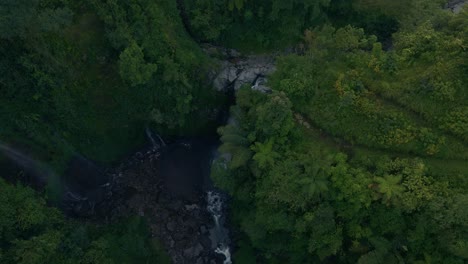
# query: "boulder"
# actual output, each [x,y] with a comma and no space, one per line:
[193,252]
[171,226]
[243,71]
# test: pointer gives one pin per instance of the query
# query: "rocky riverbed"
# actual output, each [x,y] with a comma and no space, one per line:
[456,5]
[168,183]
[168,186]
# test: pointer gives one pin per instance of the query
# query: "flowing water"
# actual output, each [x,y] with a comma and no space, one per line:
[87,190]
[83,186]
[219,234]
[155,144]
[37,170]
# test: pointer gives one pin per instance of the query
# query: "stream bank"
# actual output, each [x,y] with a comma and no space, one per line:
[168,183]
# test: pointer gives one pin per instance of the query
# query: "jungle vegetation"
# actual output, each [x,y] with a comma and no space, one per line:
[358,155]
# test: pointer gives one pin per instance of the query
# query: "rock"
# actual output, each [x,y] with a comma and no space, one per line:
[141,212]
[232,74]
[171,226]
[243,71]
[180,224]
[261,88]
[179,236]
[247,76]
[233,53]
[171,242]
[163,214]
[205,241]
[456,5]
[175,205]
[193,252]
[191,207]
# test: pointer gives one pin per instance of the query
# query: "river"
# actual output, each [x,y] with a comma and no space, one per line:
[167,181]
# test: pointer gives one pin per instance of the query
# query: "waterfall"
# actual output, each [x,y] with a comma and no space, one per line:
[259,84]
[75,197]
[256,83]
[35,168]
[150,136]
[161,140]
[224,250]
[219,234]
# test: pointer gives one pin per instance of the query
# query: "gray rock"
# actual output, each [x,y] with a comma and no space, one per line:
[244,71]
[456,5]
[232,74]
[205,241]
[191,207]
[171,226]
[261,88]
[233,53]
[179,236]
[193,252]
[175,205]
[203,229]
[171,242]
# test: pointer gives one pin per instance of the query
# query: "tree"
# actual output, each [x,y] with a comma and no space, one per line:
[264,24]
[236,145]
[238,4]
[326,235]
[32,233]
[275,117]
[132,66]
[315,184]
[379,254]
[389,186]
[265,156]
[38,249]
[29,18]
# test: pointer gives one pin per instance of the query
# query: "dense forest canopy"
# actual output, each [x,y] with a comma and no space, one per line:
[32,233]
[100,71]
[358,155]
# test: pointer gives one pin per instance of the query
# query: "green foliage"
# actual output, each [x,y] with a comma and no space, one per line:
[253,25]
[87,77]
[158,57]
[274,118]
[358,152]
[265,156]
[27,19]
[272,24]
[32,233]
[389,187]
[132,66]
[357,156]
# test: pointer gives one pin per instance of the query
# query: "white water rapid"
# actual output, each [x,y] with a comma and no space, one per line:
[219,236]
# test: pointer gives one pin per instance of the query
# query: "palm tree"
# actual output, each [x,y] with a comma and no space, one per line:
[236,144]
[389,186]
[314,182]
[264,154]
